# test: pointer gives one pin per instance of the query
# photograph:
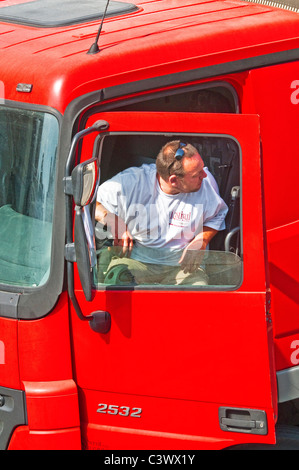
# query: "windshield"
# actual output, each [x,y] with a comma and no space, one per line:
[28,146]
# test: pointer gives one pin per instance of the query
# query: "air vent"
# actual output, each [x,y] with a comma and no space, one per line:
[56,13]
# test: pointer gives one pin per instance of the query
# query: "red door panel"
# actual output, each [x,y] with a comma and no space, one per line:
[177,356]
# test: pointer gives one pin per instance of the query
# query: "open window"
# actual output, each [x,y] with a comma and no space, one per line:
[222,262]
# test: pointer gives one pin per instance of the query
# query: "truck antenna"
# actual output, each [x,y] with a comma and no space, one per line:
[95,47]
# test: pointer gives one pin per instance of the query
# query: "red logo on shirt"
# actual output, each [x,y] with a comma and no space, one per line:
[180,218]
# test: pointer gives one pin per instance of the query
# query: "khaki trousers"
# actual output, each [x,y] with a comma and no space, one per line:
[145,273]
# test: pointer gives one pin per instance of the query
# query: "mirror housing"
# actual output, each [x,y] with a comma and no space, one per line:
[83,254]
[85,179]
[80,186]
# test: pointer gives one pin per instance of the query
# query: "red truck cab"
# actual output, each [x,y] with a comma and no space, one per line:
[90,363]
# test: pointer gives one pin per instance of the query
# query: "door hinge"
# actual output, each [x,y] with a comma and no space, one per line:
[243,420]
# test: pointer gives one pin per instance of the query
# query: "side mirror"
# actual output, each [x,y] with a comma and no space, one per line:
[80,186]
[85,250]
[85,179]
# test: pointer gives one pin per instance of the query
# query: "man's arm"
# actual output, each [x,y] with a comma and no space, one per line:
[117,227]
[193,254]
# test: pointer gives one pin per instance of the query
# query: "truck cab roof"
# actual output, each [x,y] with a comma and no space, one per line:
[140,40]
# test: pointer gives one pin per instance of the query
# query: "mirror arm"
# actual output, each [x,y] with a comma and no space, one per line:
[71,292]
[99,321]
[98,126]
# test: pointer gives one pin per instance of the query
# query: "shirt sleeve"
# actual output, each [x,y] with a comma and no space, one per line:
[110,196]
[217,221]
[118,193]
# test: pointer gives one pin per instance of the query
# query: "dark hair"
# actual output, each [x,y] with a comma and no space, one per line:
[166,162]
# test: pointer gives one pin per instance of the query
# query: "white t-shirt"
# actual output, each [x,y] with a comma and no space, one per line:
[162,225]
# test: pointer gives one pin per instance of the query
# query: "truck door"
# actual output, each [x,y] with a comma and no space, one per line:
[183,367]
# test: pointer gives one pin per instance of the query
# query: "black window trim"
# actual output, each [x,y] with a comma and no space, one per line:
[104,104]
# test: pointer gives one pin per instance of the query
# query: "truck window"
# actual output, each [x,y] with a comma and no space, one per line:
[28,144]
[222,260]
[220,98]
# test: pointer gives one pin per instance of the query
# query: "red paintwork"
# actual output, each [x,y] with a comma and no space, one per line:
[180,356]
[58,439]
[268,92]
[177,357]
[162,37]
[9,367]
[48,340]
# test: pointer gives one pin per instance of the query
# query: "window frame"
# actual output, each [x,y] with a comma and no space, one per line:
[99,146]
[26,302]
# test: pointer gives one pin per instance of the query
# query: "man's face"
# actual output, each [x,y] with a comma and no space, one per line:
[194,175]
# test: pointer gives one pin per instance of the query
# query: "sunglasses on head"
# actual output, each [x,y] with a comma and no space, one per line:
[179,154]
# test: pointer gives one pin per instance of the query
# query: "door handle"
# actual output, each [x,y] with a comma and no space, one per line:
[238,423]
[243,420]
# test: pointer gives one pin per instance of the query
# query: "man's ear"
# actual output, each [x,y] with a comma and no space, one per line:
[173,180]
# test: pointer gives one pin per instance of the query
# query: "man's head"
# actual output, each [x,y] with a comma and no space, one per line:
[181,167]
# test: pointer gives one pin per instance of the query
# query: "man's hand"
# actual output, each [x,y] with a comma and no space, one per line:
[124,244]
[193,254]
[122,238]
